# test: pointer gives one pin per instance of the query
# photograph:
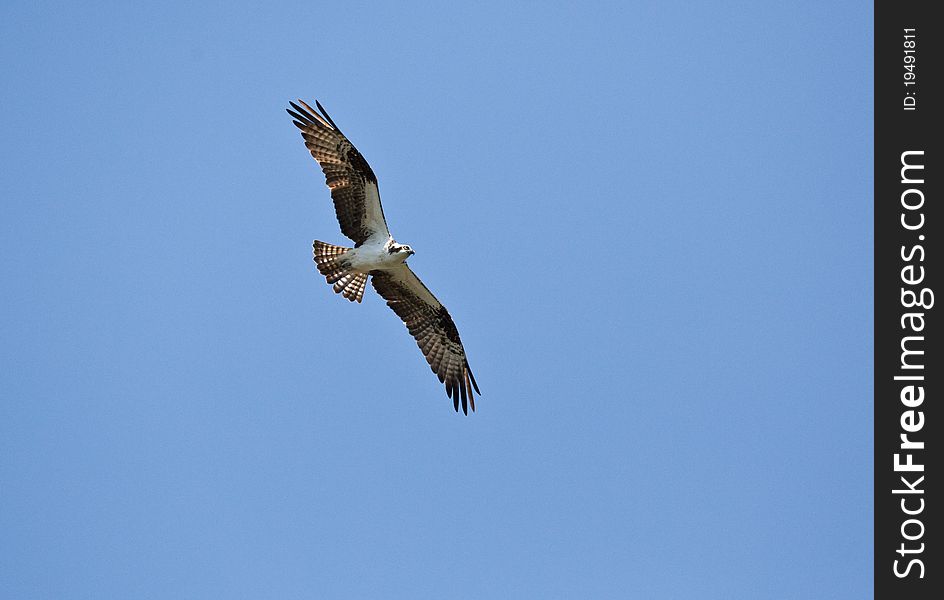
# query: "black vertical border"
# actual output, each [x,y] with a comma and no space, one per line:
[899,130]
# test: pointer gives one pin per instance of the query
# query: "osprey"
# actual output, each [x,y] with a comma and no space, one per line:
[375,253]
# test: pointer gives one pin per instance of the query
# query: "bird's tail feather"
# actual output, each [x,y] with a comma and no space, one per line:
[333,264]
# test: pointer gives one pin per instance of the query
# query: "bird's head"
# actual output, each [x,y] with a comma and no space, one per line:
[401,250]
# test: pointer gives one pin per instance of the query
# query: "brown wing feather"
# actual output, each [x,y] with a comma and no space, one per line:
[433,329]
[352,182]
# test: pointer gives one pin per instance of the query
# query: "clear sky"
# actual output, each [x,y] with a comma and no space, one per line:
[651,222]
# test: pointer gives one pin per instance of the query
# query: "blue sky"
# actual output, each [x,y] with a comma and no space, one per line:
[650,221]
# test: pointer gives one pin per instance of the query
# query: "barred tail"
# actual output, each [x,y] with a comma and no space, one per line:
[333,264]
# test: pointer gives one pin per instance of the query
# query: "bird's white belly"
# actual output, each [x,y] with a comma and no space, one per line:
[370,257]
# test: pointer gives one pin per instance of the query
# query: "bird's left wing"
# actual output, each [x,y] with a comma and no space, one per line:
[352,182]
[434,330]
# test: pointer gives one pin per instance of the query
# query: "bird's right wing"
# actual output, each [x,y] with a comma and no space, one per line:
[352,182]
[433,329]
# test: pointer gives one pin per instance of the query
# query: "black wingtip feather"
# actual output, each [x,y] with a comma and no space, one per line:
[301,114]
[310,116]
[472,378]
[467,384]
[299,118]
[465,399]
[325,114]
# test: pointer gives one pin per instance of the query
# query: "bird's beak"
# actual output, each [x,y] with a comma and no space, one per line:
[412,252]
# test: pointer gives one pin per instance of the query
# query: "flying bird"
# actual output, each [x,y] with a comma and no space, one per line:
[376,254]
